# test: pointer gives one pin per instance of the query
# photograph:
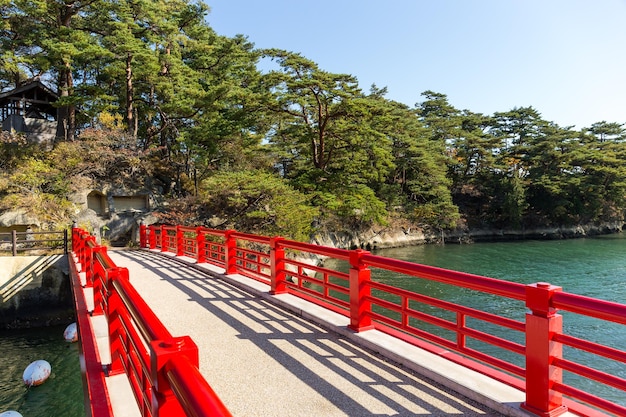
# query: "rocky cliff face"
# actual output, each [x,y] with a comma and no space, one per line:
[17,217]
[540,233]
[374,238]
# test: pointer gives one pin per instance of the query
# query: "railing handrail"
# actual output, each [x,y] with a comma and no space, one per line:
[544,388]
[336,253]
[192,389]
[460,279]
[32,243]
[145,319]
[249,237]
[592,307]
[103,258]
[164,367]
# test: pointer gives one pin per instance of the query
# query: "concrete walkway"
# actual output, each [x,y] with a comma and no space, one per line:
[263,360]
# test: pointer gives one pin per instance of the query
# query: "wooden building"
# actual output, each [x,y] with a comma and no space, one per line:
[29,109]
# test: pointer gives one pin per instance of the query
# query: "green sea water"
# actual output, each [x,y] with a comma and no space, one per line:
[595,267]
[61,394]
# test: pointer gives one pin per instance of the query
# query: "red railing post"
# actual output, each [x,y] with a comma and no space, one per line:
[100,287]
[79,249]
[277,265]
[117,334]
[200,243]
[180,244]
[153,237]
[164,402]
[82,255]
[75,240]
[143,238]
[163,238]
[542,323]
[78,246]
[230,252]
[87,265]
[360,276]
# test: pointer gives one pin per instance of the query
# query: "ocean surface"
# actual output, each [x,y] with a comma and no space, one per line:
[61,394]
[595,267]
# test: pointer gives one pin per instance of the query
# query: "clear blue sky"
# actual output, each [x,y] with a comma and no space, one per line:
[566,58]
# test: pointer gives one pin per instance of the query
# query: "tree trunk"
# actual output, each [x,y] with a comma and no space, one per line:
[66,124]
[130,112]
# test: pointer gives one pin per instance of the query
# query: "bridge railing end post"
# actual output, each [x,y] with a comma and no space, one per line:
[164,402]
[542,323]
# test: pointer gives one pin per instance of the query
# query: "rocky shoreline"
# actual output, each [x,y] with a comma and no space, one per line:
[382,238]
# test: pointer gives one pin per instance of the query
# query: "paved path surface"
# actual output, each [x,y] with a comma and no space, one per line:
[265,361]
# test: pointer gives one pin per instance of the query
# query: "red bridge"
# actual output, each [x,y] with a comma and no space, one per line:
[203,322]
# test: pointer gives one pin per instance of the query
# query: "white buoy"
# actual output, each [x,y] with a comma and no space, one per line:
[36,373]
[71,334]
[10,413]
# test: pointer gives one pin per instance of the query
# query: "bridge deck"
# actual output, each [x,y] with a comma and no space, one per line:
[263,360]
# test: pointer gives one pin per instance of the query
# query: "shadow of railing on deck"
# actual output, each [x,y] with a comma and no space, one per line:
[278,332]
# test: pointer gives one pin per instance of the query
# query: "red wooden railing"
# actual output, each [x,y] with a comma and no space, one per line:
[538,340]
[162,369]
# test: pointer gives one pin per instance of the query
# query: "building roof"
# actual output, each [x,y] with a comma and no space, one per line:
[34,90]
[36,96]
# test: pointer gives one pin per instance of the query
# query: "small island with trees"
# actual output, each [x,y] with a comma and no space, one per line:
[149,96]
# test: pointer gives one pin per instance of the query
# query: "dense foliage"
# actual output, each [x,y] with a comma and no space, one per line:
[149,90]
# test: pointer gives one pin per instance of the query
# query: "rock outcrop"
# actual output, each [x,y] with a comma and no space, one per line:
[18,217]
[374,238]
[381,238]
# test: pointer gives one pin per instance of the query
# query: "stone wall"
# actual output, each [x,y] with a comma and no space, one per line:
[35,291]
